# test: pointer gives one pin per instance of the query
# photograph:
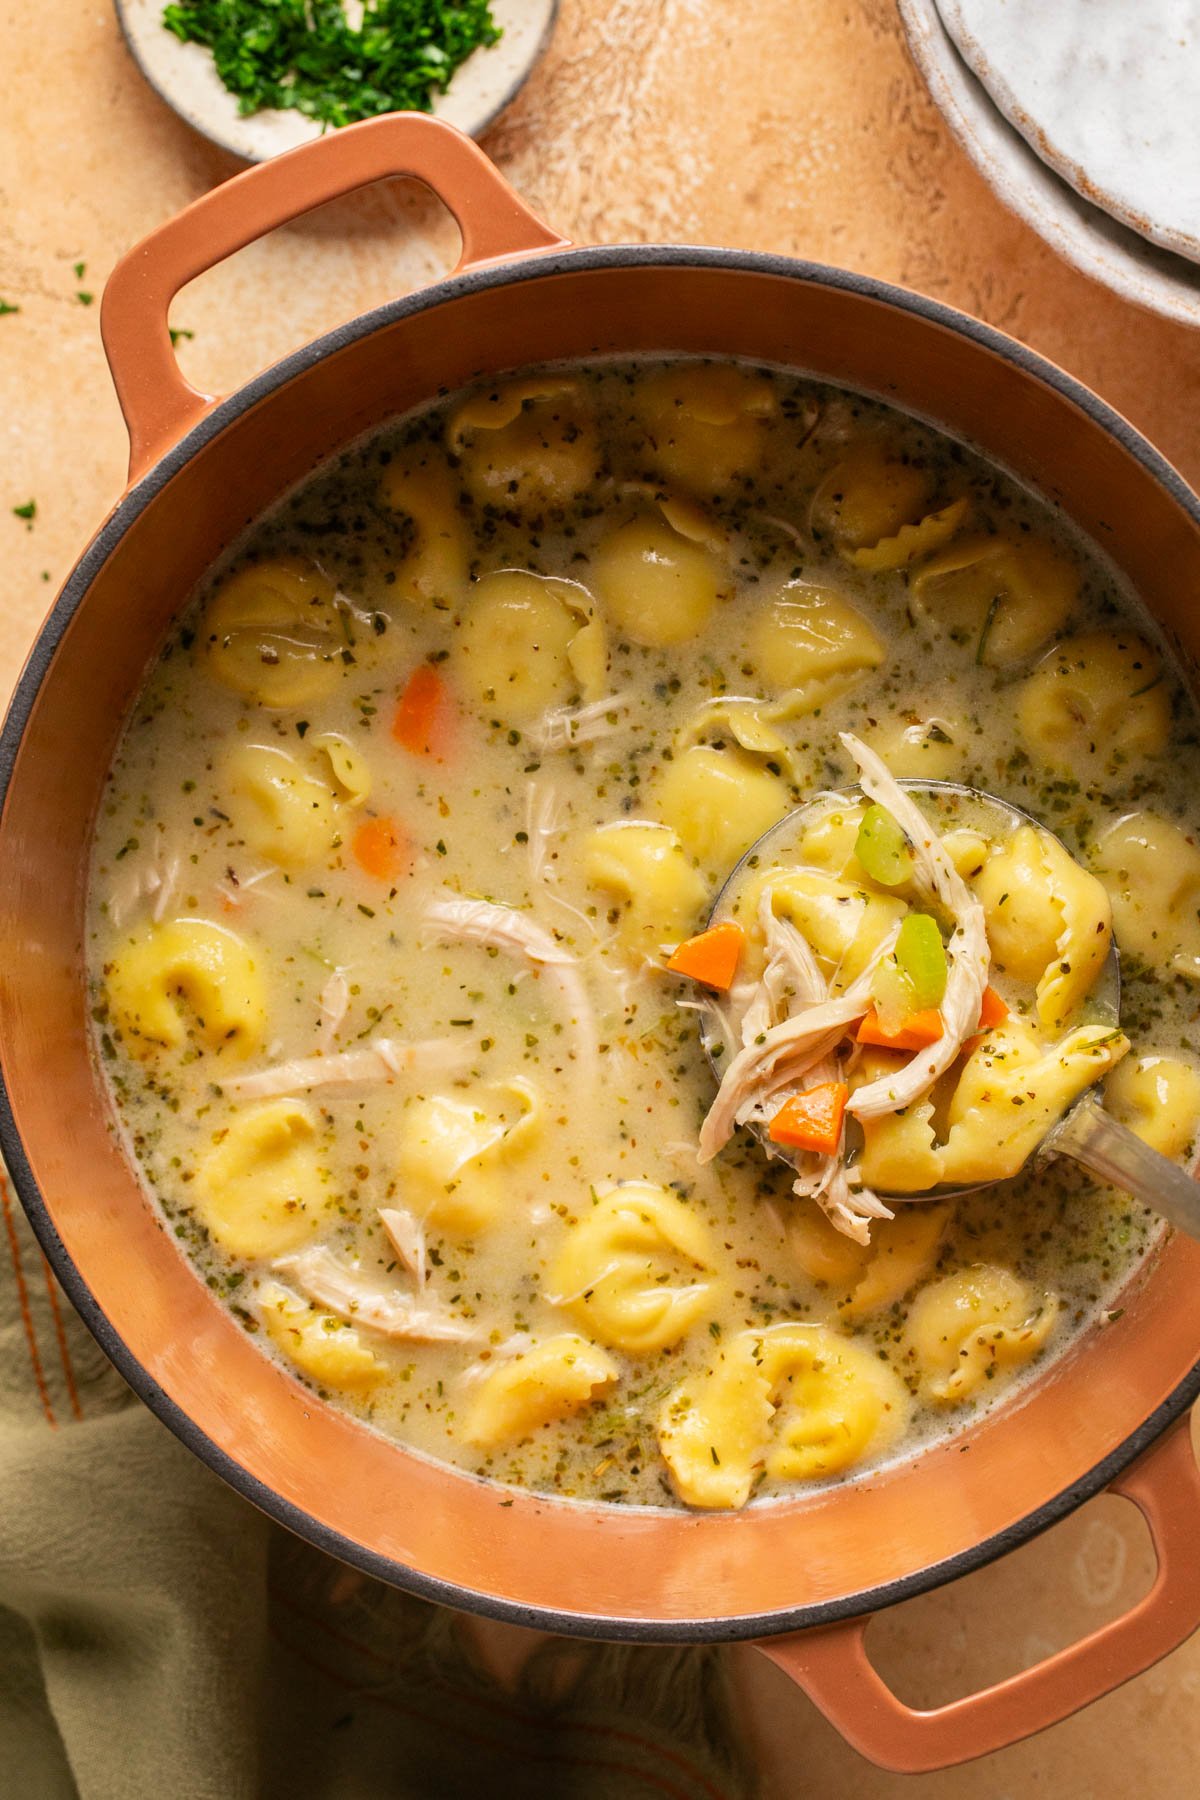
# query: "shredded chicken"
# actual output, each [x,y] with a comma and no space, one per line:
[346,1291]
[155,880]
[406,1234]
[546,818]
[967,953]
[334,1004]
[567,727]
[504,928]
[382,1059]
[777,1059]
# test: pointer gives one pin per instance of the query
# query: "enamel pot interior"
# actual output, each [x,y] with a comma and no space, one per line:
[602,1571]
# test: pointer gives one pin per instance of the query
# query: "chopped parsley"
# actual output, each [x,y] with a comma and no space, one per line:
[306,56]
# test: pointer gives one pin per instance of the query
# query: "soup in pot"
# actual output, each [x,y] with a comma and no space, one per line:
[402,958]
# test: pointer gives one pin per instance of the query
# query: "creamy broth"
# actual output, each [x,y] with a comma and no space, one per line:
[457,744]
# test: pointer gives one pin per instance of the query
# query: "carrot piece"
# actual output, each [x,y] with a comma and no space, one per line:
[916,1031]
[423,722]
[992,1011]
[812,1120]
[711,957]
[381,849]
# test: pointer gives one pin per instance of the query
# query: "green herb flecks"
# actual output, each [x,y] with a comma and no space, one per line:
[305,56]
[6,307]
[28,512]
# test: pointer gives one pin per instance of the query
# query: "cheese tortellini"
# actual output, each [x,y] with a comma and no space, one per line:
[545,1382]
[323,1347]
[646,870]
[1158,1097]
[718,801]
[1048,920]
[1013,1088]
[436,565]
[526,444]
[262,1190]
[187,978]
[638,1269]
[795,1402]
[453,1154]
[707,423]
[870,495]
[517,636]
[1152,872]
[658,585]
[273,632]
[1006,595]
[961,1331]
[921,749]
[843,923]
[1094,701]
[867,1277]
[282,813]
[811,645]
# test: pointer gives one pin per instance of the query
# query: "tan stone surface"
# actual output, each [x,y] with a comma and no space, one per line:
[790,125]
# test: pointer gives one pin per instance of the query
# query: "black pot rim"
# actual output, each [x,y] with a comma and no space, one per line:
[128,509]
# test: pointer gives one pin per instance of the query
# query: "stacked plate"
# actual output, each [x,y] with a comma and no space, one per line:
[1084,116]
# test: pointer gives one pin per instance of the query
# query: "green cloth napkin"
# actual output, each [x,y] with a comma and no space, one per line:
[159,1637]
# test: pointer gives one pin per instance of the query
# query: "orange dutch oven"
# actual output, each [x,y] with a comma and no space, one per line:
[802,1576]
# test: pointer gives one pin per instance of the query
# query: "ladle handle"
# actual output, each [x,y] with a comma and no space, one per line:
[1091,1136]
[158,404]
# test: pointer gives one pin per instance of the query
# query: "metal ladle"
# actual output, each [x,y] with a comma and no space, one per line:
[1086,1134]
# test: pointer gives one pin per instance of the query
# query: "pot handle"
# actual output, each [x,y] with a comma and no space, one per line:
[157,403]
[832,1666]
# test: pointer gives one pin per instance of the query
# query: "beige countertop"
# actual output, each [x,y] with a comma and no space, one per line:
[810,134]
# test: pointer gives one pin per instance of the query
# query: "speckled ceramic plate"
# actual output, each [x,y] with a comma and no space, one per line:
[1107,92]
[185,76]
[1078,230]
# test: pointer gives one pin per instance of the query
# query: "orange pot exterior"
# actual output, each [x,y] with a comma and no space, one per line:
[605,1572]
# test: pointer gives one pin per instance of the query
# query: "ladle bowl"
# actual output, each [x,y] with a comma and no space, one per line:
[1087,1134]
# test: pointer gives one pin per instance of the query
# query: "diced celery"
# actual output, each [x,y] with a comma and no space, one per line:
[882,848]
[921,955]
[892,992]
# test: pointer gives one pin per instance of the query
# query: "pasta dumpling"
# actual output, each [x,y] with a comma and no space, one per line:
[867,1277]
[1048,920]
[718,802]
[272,632]
[1006,595]
[322,1346]
[1158,1097]
[346,765]
[1094,700]
[1152,872]
[1012,1091]
[796,1402]
[282,813]
[965,1328]
[453,1151]
[707,423]
[843,923]
[911,542]
[435,568]
[192,961]
[637,1269]
[810,644]
[547,1381]
[868,496]
[527,443]
[658,586]
[515,651]
[260,1191]
[915,748]
[644,867]
[713,1429]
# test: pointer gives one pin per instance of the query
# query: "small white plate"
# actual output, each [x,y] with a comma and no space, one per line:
[1105,91]
[185,76]
[1077,230]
